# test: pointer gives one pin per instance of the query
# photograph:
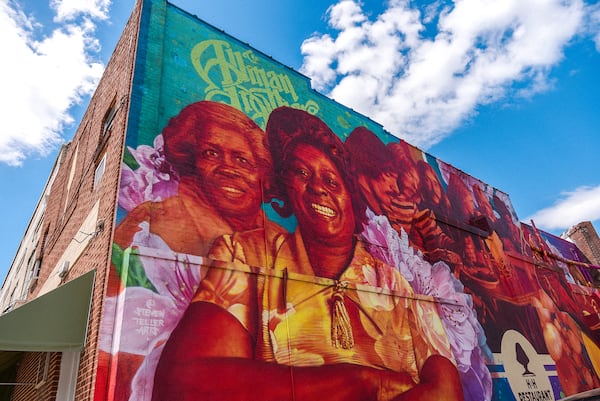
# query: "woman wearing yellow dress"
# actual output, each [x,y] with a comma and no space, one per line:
[311,314]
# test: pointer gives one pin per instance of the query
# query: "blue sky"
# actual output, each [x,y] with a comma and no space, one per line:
[507,91]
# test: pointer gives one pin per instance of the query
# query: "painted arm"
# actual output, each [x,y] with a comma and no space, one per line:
[129,226]
[210,356]
[439,380]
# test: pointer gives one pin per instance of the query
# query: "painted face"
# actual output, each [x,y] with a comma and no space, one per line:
[385,190]
[318,196]
[228,172]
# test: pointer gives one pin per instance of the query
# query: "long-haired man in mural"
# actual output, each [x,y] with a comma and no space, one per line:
[323,318]
[223,163]
[417,180]
[393,190]
[433,194]
[379,177]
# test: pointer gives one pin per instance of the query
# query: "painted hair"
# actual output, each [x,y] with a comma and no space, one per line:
[184,132]
[369,155]
[287,127]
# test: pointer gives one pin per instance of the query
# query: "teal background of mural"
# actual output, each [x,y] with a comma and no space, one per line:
[166,80]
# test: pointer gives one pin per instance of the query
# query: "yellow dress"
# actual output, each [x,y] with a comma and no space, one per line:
[270,287]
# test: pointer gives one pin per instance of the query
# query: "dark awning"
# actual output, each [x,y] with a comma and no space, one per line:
[56,321]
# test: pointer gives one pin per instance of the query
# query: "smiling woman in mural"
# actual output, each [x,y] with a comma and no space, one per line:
[325,319]
[203,178]
[222,160]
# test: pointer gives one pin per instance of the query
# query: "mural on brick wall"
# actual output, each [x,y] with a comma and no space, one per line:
[272,244]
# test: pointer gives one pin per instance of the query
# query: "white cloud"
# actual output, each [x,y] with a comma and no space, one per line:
[70,9]
[422,87]
[42,79]
[582,204]
[322,52]
[593,14]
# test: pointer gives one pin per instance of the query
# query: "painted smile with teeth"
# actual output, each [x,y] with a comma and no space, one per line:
[323,210]
[232,190]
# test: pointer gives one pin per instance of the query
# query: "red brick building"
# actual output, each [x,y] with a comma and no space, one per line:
[585,236]
[135,215]
[77,233]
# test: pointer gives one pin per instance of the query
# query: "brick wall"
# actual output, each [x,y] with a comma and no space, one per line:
[39,371]
[74,196]
[586,238]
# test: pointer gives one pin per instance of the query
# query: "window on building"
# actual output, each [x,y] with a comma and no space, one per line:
[109,118]
[99,171]
[71,177]
[32,276]
[12,297]
[37,266]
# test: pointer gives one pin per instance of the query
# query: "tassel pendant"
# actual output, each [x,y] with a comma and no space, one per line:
[341,328]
